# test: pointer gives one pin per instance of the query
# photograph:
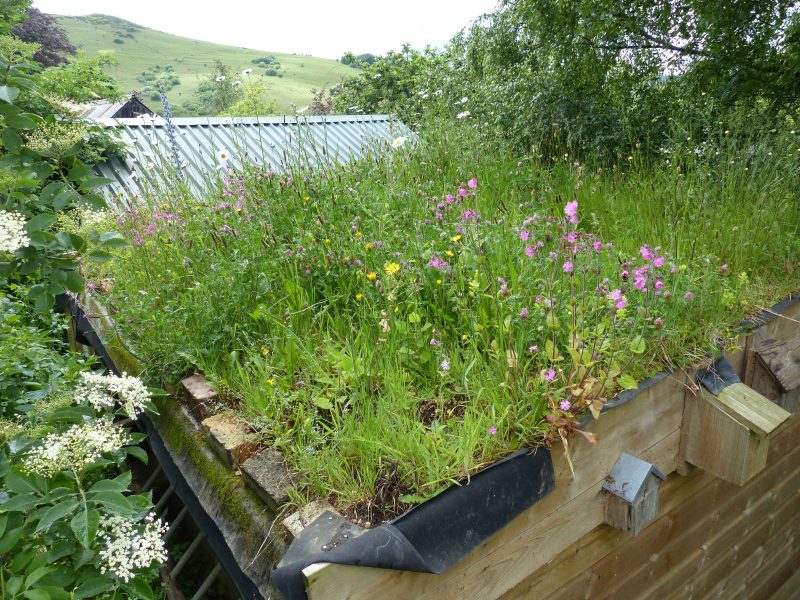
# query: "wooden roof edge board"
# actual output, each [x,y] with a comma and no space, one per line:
[159,121]
[748,407]
[782,361]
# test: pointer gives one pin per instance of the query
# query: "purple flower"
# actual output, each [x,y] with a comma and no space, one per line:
[530,251]
[550,375]
[565,405]
[568,267]
[621,303]
[438,263]
[646,253]
[533,349]
[658,261]
[462,192]
[524,235]
[472,183]
[523,313]
[688,296]
[571,210]
[435,342]
[598,245]
[492,430]
[615,295]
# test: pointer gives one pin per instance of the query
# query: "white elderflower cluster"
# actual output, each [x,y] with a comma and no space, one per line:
[102,392]
[75,448]
[130,545]
[12,232]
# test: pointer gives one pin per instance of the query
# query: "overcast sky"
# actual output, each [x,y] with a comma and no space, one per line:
[326,28]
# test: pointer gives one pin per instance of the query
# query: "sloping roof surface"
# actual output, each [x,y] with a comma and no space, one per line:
[109,110]
[628,476]
[272,142]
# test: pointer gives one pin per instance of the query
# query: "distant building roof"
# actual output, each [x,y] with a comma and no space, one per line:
[124,109]
[272,142]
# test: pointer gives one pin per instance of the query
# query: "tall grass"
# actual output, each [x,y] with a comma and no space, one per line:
[314,301]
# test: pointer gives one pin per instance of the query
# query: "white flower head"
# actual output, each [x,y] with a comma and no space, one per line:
[445,366]
[130,546]
[104,391]
[76,448]
[247,71]
[463,100]
[220,79]
[398,141]
[222,155]
[463,115]
[377,76]
[237,82]
[12,232]
[300,111]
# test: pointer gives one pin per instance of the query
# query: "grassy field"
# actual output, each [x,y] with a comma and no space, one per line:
[143,48]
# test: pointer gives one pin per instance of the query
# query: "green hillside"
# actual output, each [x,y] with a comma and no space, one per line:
[140,49]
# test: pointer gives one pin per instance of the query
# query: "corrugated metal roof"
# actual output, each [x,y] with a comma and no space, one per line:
[274,142]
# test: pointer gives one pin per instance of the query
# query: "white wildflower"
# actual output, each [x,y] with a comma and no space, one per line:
[220,79]
[463,100]
[463,115]
[76,448]
[377,76]
[129,546]
[222,155]
[247,71]
[103,391]
[237,82]
[12,232]
[398,141]
[445,366]
[300,111]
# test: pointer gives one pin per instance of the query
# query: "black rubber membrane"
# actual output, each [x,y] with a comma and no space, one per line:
[435,535]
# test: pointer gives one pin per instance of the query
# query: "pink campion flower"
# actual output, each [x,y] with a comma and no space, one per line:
[435,342]
[438,263]
[640,282]
[571,209]
[568,267]
[688,296]
[615,295]
[658,285]
[524,235]
[598,245]
[550,375]
[533,349]
[462,192]
[439,216]
[523,313]
[472,183]
[530,251]
[450,198]
[538,299]
[553,255]
[469,214]
[492,430]
[658,261]
[565,405]
[620,304]
[646,253]
[572,237]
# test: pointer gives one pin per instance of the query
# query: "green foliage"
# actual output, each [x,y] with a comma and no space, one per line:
[157,78]
[56,528]
[217,92]
[253,102]
[33,364]
[82,79]
[42,175]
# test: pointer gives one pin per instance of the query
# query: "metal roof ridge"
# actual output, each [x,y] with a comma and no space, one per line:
[267,120]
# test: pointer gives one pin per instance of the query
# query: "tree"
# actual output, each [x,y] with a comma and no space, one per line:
[42,29]
[81,80]
[252,104]
[218,92]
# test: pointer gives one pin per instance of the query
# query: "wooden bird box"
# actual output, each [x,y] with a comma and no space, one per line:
[631,494]
[773,369]
[726,427]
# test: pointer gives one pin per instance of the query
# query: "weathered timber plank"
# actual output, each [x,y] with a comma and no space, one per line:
[789,589]
[749,408]
[778,567]
[732,586]
[549,526]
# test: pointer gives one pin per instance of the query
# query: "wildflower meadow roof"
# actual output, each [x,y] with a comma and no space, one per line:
[203,146]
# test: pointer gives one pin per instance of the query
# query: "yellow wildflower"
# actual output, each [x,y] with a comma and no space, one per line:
[306,198]
[457,237]
[265,351]
[438,282]
[271,381]
[359,234]
[372,276]
[391,268]
[449,252]
[464,337]
[368,246]
[328,241]
[359,297]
